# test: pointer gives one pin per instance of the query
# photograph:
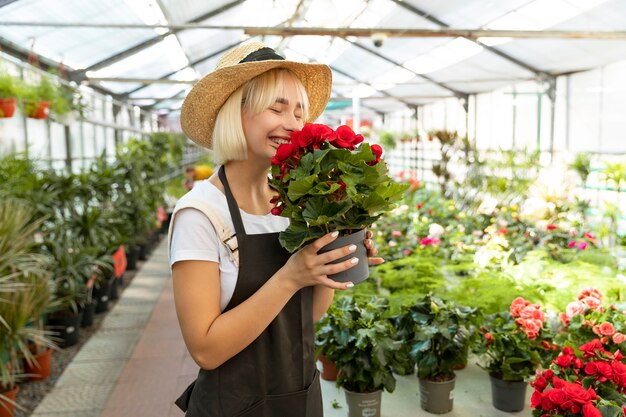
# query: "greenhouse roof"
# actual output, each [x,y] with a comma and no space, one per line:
[394,54]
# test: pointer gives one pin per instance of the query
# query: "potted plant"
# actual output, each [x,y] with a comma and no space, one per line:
[23,294]
[586,318]
[326,181]
[363,352]
[588,381]
[10,92]
[438,334]
[516,343]
[328,336]
[38,98]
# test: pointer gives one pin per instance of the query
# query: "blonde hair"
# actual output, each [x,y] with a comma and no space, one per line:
[256,95]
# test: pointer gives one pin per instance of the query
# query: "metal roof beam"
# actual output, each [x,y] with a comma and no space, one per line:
[153,41]
[447,32]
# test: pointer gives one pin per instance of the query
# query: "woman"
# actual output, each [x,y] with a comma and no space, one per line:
[246,306]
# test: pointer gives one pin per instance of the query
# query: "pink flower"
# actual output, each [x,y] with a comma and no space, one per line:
[589,292]
[407,252]
[607,329]
[582,245]
[618,338]
[517,306]
[589,236]
[396,233]
[592,302]
[571,244]
[574,308]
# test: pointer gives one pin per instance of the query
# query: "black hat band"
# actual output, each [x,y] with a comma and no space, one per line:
[263,54]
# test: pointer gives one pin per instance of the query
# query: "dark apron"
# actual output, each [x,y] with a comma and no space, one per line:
[275,376]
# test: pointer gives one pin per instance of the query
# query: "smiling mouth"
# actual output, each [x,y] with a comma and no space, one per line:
[279,141]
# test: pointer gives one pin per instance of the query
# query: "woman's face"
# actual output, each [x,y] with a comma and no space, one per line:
[267,130]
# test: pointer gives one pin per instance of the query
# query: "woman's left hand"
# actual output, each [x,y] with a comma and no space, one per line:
[371,250]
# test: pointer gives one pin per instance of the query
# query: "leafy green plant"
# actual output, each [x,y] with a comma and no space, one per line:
[387,140]
[438,333]
[10,86]
[325,183]
[362,344]
[516,342]
[582,166]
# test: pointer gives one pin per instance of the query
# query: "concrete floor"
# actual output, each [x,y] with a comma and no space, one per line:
[137,365]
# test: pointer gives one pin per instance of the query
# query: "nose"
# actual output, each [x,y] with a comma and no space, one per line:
[292,123]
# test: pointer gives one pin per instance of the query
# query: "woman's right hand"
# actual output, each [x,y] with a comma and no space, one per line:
[307,268]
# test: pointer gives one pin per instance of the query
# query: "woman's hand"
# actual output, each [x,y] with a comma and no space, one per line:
[371,250]
[307,268]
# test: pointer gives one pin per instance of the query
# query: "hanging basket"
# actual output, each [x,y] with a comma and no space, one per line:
[39,110]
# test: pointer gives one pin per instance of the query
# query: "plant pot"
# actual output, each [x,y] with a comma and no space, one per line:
[329,369]
[509,396]
[7,409]
[142,254]
[437,397]
[40,110]
[42,367]
[115,288]
[67,327]
[358,273]
[131,258]
[7,107]
[363,404]
[102,295]
[89,312]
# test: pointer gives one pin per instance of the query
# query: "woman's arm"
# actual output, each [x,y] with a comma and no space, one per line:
[213,337]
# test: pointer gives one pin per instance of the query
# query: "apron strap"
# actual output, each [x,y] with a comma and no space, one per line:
[232,204]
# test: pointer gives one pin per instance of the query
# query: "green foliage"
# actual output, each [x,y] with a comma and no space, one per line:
[419,274]
[438,334]
[582,166]
[10,86]
[330,189]
[387,140]
[356,336]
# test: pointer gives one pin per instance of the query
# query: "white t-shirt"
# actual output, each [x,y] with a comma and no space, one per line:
[195,238]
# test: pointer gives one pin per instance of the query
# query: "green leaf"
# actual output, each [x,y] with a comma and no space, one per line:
[301,187]
[317,213]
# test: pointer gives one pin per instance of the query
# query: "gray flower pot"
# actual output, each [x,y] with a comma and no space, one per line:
[508,396]
[363,404]
[358,273]
[437,397]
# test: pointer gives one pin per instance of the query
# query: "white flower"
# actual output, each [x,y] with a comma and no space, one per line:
[435,230]
[536,208]
[488,206]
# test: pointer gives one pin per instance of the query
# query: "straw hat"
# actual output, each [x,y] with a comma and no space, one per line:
[235,68]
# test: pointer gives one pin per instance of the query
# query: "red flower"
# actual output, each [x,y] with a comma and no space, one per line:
[313,134]
[556,396]
[592,346]
[577,393]
[589,410]
[419,206]
[346,138]
[378,152]
[578,363]
[535,399]
[564,361]
[284,152]
[539,383]
[551,227]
